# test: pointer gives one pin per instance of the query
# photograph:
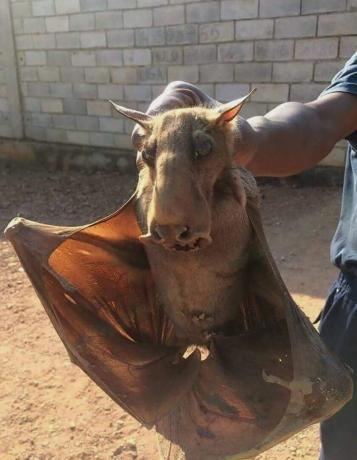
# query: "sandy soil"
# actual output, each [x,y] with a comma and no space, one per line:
[48,408]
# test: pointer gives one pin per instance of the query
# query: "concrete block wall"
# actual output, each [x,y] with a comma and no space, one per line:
[73,55]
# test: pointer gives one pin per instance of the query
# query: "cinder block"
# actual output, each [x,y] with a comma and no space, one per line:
[75,106]
[302,26]
[121,4]
[120,38]
[110,92]
[44,41]
[305,92]
[32,104]
[230,91]
[78,137]
[21,9]
[109,20]
[216,32]
[60,89]
[110,57]
[72,74]
[269,92]
[35,132]
[41,119]
[123,75]
[325,71]
[100,108]
[183,72]
[57,24]
[149,3]
[137,92]
[213,73]
[24,89]
[34,25]
[254,29]
[253,71]
[52,105]
[321,6]
[137,57]
[152,75]
[111,125]
[348,46]
[68,40]
[277,8]
[85,123]
[274,50]
[60,58]
[24,42]
[4,105]
[235,52]
[85,91]
[172,55]
[182,35]
[200,54]
[83,58]
[43,8]
[56,135]
[18,25]
[48,74]
[28,74]
[338,24]
[93,5]
[97,75]
[63,121]
[253,109]
[316,48]
[156,91]
[67,6]
[154,36]
[292,71]
[38,89]
[169,15]
[123,141]
[79,22]
[137,18]
[35,58]
[93,40]
[203,12]
[101,139]
[239,9]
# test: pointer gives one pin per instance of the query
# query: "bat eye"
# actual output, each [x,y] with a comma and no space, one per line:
[148,155]
[202,149]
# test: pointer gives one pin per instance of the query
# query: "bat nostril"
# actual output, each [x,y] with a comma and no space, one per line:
[183,234]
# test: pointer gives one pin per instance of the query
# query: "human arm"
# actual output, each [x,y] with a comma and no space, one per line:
[294,137]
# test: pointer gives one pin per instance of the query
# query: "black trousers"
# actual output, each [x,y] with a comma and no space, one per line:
[338,329]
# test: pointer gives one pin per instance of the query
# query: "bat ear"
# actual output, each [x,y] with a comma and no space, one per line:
[141,118]
[226,112]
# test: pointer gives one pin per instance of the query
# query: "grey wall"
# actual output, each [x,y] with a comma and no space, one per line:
[73,55]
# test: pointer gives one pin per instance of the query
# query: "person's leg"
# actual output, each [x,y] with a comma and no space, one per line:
[338,329]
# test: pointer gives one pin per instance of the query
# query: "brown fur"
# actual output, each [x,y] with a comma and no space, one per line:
[200,290]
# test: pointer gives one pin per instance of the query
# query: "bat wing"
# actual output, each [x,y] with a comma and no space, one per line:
[95,285]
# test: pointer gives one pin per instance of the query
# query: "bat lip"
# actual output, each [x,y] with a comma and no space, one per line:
[197,245]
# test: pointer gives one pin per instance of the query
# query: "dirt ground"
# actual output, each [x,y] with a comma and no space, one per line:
[49,409]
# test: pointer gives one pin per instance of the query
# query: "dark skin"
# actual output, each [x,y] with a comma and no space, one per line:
[289,139]
[294,137]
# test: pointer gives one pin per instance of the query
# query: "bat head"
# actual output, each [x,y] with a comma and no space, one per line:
[183,157]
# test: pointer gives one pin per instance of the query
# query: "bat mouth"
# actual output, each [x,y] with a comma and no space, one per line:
[200,243]
[192,246]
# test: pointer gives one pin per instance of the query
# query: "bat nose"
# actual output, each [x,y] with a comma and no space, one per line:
[182,235]
[172,233]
